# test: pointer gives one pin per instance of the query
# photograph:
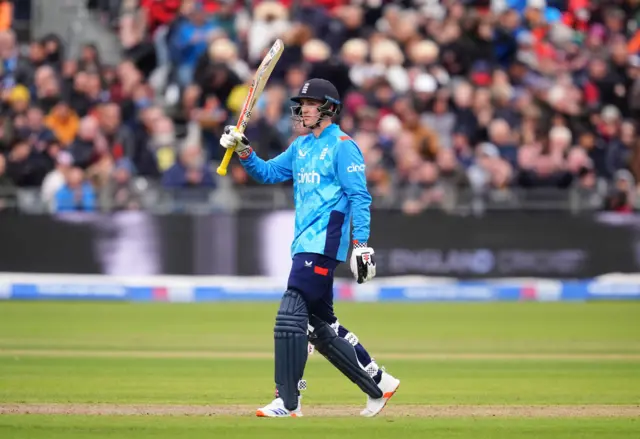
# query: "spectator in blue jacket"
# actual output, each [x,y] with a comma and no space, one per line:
[77,195]
[190,170]
[190,41]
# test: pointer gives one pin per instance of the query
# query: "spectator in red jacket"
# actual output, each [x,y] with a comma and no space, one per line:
[160,12]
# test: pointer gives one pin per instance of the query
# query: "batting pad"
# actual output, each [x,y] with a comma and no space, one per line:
[290,338]
[342,355]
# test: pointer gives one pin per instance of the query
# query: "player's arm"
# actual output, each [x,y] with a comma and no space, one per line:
[350,169]
[276,170]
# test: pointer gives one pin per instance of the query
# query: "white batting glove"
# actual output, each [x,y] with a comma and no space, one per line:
[363,264]
[236,140]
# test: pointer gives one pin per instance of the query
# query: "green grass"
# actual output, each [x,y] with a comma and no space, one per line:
[200,381]
[431,327]
[49,427]
[55,335]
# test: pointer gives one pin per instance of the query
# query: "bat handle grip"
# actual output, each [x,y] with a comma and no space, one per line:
[222,169]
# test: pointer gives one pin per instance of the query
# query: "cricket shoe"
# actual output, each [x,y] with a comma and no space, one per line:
[389,385]
[276,409]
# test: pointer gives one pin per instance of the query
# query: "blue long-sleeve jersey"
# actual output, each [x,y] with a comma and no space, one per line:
[330,189]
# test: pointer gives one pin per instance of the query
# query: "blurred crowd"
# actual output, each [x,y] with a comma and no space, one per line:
[444,97]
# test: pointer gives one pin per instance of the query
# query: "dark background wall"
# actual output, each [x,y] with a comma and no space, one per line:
[257,243]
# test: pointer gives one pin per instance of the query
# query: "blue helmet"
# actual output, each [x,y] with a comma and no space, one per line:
[323,91]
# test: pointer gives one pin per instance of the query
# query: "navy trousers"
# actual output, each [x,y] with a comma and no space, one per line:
[312,276]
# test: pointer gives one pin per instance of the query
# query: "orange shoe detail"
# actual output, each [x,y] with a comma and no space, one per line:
[388,395]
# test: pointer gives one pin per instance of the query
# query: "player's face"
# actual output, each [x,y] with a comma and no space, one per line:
[310,111]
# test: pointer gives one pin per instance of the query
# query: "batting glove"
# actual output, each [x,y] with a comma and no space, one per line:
[363,264]
[232,138]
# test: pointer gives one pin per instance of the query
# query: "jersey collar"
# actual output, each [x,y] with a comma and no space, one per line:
[329,130]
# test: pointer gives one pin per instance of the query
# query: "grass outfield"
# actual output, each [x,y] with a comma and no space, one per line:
[41,427]
[517,370]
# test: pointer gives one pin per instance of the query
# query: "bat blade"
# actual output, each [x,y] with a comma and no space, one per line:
[255,91]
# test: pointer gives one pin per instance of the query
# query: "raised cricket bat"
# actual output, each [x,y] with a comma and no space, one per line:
[257,85]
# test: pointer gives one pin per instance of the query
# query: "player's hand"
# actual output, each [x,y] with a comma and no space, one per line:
[363,264]
[235,140]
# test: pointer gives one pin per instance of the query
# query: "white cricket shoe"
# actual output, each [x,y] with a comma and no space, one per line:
[389,385]
[276,409]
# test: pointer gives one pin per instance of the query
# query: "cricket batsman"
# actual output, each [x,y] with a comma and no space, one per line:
[330,190]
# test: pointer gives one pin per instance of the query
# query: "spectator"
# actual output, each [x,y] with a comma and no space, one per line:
[89,144]
[501,136]
[620,198]
[144,158]
[129,79]
[633,73]
[489,170]
[55,180]
[6,133]
[226,18]
[378,176]
[439,95]
[560,140]
[441,118]
[54,51]
[191,41]
[6,15]
[18,99]
[452,172]
[163,19]
[119,138]
[36,132]
[89,58]
[77,89]
[422,189]
[47,88]
[6,186]
[621,147]
[93,91]
[160,12]
[463,149]
[270,20]
[76,195]
[9,55]
[25,166]
[63,121]
[542,170]
[160,150]
[221,51]
[407,160]
[25,70]
[190,170]
[120,192]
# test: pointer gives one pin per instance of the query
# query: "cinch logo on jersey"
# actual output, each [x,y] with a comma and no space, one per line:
[356,168]
[308,177]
